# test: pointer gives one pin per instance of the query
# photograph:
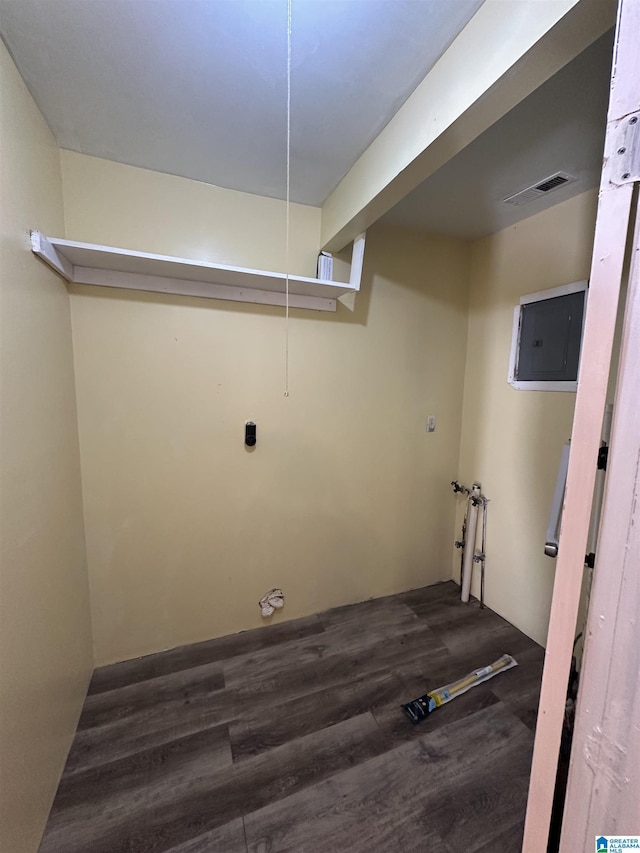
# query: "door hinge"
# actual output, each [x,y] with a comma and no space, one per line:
[603,457]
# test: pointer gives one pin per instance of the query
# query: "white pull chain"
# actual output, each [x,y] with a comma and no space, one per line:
[288,200]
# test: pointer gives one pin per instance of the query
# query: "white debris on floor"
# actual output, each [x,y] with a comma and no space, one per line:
[272,601]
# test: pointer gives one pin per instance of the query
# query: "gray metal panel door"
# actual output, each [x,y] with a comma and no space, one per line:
[550,335]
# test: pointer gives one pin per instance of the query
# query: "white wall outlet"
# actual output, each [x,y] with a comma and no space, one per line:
[431,423]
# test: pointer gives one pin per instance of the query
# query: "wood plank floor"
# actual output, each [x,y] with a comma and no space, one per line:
[290,739]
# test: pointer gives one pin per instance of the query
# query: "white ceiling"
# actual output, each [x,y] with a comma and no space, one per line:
[197,88]
[559,127]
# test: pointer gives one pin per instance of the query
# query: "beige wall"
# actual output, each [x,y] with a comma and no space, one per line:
[512,440]
[345,496]
[117,205]
[45,644]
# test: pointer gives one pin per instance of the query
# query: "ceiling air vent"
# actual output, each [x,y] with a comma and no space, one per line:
[547,185]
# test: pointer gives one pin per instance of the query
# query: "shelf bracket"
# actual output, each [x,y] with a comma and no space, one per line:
[357,259]
[41,247]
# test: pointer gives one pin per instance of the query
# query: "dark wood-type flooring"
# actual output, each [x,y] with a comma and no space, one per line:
[290,739]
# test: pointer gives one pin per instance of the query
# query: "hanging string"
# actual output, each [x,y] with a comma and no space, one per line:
[287,203]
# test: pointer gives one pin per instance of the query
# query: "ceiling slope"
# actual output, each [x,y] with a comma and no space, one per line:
[559,128]
[504,54]
[197,88]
